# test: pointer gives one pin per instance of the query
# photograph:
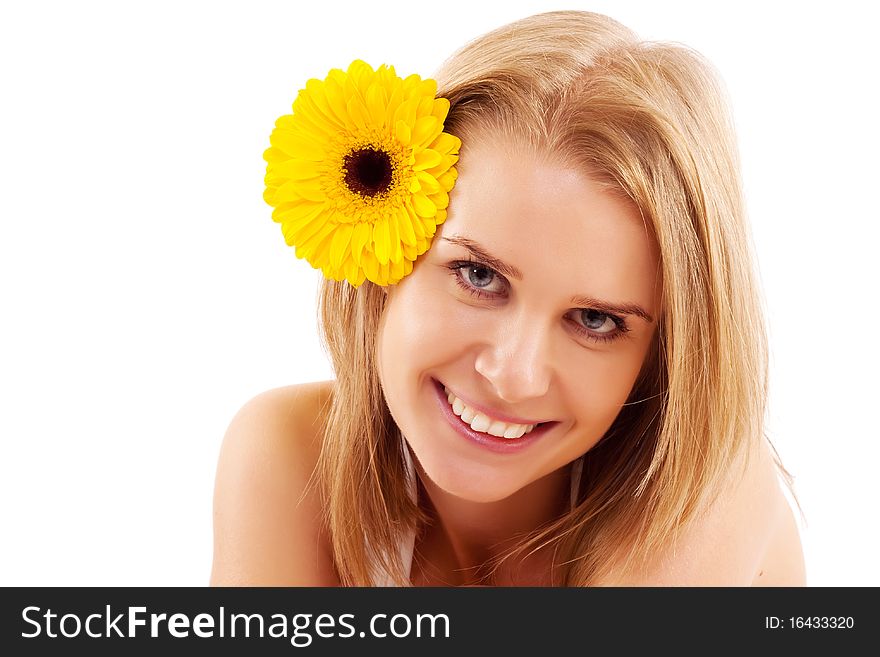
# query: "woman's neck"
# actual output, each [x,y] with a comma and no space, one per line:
[465,536]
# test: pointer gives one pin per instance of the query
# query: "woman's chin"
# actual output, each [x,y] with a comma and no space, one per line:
[470,488]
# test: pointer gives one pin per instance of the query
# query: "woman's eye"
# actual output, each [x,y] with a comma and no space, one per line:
[597,321]
[479,278]
[599,326]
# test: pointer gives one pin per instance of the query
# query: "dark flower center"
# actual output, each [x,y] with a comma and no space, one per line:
[368,171]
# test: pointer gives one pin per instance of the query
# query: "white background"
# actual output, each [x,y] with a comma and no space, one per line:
[145,293]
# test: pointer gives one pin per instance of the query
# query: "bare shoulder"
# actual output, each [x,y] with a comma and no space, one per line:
[783,561]
[267,509]
[748,537]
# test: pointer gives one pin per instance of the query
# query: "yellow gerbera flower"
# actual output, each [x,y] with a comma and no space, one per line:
[359,174]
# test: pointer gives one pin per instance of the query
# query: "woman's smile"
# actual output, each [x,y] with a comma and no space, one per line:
[488,431]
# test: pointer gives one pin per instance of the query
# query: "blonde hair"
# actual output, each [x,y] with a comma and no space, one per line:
[650,120]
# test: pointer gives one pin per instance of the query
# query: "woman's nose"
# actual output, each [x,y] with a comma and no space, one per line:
[517,362]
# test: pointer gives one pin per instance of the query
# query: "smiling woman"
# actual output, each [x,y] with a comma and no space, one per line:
[565,383]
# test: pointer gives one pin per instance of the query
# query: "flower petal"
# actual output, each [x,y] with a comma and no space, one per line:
[426,107]
[298,189]
[440,199]
[430,226]
[376,104]
[447,179]
[427,88]
[293,169]
[293,210]
[381,240]
[274,155]
[360,73]
[426,130]
[427,182]
[350,271]
[396,251]
[445,164]
[341,241]
[317,97]
[294,145]
[415,222]
[410,85]
[407,112]
[383,276]
[427,159]
[405,228]
[363,232]
[396,272]
[440,109]
[302,230]
[371,267]
[308,247]
[423,206]
[336,100]
[309,121]
[446,143]
[402,132]
[358,113]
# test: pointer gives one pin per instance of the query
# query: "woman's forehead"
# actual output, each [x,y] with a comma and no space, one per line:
[551,221]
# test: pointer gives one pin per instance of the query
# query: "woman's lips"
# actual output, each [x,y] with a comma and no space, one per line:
[488,441]
[495,415]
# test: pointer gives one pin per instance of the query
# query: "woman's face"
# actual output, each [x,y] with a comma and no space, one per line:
[535,305]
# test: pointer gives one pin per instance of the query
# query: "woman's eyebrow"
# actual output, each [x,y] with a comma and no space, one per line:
[510,271]
[483,256]
[612,308]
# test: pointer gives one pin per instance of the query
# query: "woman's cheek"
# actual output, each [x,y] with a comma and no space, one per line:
[416,325]
[436,318]
[600,386]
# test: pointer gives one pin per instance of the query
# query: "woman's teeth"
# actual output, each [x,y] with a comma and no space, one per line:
[484,424]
